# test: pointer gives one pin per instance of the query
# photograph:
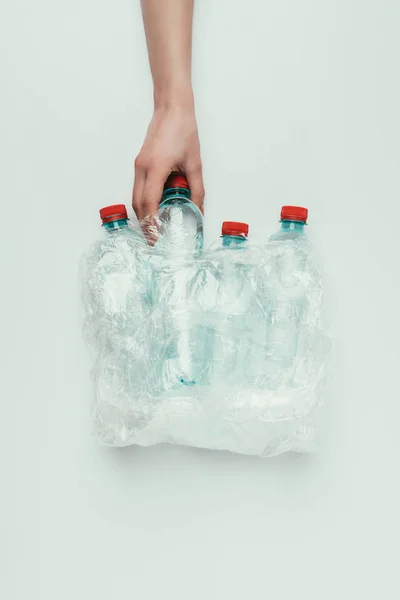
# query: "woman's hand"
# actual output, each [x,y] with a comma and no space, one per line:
[172,141]
[171,144]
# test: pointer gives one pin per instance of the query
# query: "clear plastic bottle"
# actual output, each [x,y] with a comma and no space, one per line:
[287,294]
[181,222]
[115,281]
[120,276]
[229,300]
[179,244]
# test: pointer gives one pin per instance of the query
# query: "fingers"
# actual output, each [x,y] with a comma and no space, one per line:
[152,191]
[195,180]
[147,192]
[149,184]
[147,189]
[140,178]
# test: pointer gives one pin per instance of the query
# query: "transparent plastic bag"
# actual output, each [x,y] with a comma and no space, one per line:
[188,358]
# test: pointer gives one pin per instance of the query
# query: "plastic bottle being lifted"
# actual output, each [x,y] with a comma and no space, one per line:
[180,242]
[287,298]
[181,222]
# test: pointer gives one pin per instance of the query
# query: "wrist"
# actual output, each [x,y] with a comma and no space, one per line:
[174,96]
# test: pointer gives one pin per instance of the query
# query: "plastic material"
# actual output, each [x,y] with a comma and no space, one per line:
[292,283]
[114,212]
[180,221]
[225,350]
[234,228]
[180,241]
[115,278]
[230,306]
[294,213]
[176,180]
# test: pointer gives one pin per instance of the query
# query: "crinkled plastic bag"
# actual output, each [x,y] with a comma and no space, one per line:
[183,350]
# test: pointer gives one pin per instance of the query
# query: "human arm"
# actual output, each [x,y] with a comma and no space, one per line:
[172,142]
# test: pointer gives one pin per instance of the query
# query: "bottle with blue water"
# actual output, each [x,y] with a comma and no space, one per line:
[232,308]
[288,295]
[179,245]
[116,277]
[181,222]
[115,280]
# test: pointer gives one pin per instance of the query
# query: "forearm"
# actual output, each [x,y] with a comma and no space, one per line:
[172,140]
[168,26]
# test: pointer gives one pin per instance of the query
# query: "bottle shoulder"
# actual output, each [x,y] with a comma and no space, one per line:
[291,234]
[182,204]
[122,245]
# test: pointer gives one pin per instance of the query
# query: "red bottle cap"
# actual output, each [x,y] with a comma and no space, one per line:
[234,228]
[176,180]
[115,212]
[294,213]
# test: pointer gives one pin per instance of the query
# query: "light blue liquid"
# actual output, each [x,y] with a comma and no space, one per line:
[235,319]
[180,242]
[137,245]
[235,242]
[115,225]
[289,230]
[181,224]
[119,284]
[287,302]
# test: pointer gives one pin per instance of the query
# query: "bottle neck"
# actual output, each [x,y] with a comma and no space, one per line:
[234,241]
[112,226]
[178,193]
[297,226]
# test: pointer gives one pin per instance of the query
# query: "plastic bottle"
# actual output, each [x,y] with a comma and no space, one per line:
[115,281]
[114,276]
[123,271]
[181,222]
[180,242]
[234,235]
[293,221]
[230,303]
[287,294]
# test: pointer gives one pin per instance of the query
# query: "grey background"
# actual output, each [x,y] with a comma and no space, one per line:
[297,102]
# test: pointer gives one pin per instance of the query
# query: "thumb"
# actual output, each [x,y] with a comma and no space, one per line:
[196,185]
